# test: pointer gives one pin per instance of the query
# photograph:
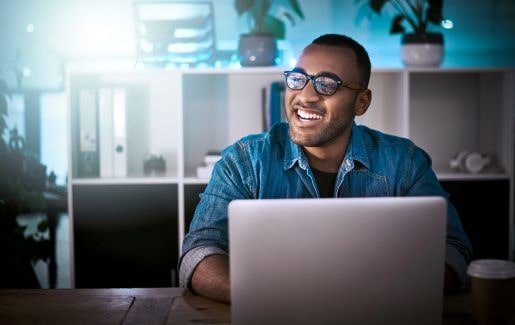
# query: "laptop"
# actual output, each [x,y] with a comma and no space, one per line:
[337,261]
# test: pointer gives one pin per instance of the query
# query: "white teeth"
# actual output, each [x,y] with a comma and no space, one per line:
[308,116]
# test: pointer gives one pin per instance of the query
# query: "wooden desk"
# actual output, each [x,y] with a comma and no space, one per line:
[142,306]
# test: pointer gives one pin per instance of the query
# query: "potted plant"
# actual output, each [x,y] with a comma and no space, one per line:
[420,46]
[266,25]
[18,195]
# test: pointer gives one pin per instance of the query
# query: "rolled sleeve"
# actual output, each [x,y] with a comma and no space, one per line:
[424,182]
[458,263]
[190,261]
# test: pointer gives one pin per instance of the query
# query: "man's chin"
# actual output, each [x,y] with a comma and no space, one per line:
[305,140]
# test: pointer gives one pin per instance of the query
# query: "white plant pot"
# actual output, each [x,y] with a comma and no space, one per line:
[426,50]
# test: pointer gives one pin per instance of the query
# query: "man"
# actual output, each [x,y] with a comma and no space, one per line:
[320,152]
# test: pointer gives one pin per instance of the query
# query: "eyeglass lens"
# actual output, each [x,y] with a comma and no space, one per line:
[323,85]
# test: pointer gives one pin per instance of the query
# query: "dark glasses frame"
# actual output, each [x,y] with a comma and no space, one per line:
[339,83]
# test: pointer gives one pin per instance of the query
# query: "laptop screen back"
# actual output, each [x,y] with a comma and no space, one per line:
[350,260]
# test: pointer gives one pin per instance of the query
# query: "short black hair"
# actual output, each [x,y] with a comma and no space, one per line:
[362,58]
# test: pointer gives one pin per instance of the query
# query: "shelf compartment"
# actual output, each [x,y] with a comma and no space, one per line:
[219,109]
[453,111]
[387,111]
[152,124]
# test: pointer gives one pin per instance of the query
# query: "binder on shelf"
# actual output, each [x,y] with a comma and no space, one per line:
[277,113]
[88,164]
[119,132]
[274,107]
[264,108]
[105,121]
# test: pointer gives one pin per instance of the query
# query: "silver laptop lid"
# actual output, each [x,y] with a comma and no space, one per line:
[335,261]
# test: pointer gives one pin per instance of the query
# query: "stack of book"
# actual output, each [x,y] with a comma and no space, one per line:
[210,159]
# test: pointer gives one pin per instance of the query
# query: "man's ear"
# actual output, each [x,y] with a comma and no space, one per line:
[363,102]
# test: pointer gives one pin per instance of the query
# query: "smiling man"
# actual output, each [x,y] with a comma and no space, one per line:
[320,152]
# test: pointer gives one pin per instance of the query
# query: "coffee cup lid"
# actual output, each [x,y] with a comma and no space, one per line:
[491,269]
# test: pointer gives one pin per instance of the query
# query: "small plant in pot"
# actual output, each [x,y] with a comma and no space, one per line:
[22,182]
[420,46]
[266,20]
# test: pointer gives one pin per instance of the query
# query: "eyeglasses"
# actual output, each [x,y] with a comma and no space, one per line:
[324,85]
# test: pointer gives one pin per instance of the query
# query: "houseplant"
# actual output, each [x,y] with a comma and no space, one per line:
[19,194]
[420,45]
[266,20]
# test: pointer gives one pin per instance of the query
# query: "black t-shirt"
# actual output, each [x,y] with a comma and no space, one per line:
[325,182]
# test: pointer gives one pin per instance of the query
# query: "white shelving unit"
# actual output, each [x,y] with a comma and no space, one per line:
[181,114]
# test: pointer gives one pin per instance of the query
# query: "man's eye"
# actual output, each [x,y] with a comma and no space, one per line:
[297,81]
[325,83]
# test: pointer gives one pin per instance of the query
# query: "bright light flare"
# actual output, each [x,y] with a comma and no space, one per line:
[447,24]
[30,28]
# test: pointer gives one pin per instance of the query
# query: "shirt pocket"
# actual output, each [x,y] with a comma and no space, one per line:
[362,183]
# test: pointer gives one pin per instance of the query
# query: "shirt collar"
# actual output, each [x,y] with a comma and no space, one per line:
[356,151]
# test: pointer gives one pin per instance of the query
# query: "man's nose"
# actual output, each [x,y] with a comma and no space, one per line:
[308,93]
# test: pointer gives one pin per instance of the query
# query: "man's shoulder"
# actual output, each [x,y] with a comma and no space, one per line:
[278,133]
[277,136]
[375,138]
[380,144]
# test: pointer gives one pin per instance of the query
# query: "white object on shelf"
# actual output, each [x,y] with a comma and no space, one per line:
[119,133]
[205,171]
[105,121]
[211,159]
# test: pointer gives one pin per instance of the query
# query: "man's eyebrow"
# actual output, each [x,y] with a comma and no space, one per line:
[321,74]
[329,74]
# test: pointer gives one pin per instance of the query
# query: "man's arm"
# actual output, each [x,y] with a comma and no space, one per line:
[451,282]
[420,179]
[204,265]
[211,278]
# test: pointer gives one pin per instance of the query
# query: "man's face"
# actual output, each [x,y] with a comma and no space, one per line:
[317,120]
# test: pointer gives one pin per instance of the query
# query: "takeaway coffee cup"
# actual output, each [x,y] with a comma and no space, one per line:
[493,291]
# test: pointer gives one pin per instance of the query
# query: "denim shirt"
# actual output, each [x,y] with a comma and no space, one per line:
[270,165]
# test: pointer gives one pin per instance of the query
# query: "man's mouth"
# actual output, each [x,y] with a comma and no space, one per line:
[308,116]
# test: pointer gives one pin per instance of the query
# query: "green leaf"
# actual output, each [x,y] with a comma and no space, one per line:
[243,6]
[20,229]
[3,124]
[274,26]
[396,26]
[4,89]
[3,148]
[43,225]
[290,18]
[377,5]
[296,8]
[258,13]
[3,105]
[42,250]
[34,201]
[434,12]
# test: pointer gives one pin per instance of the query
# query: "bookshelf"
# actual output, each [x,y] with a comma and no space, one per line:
[182,114]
